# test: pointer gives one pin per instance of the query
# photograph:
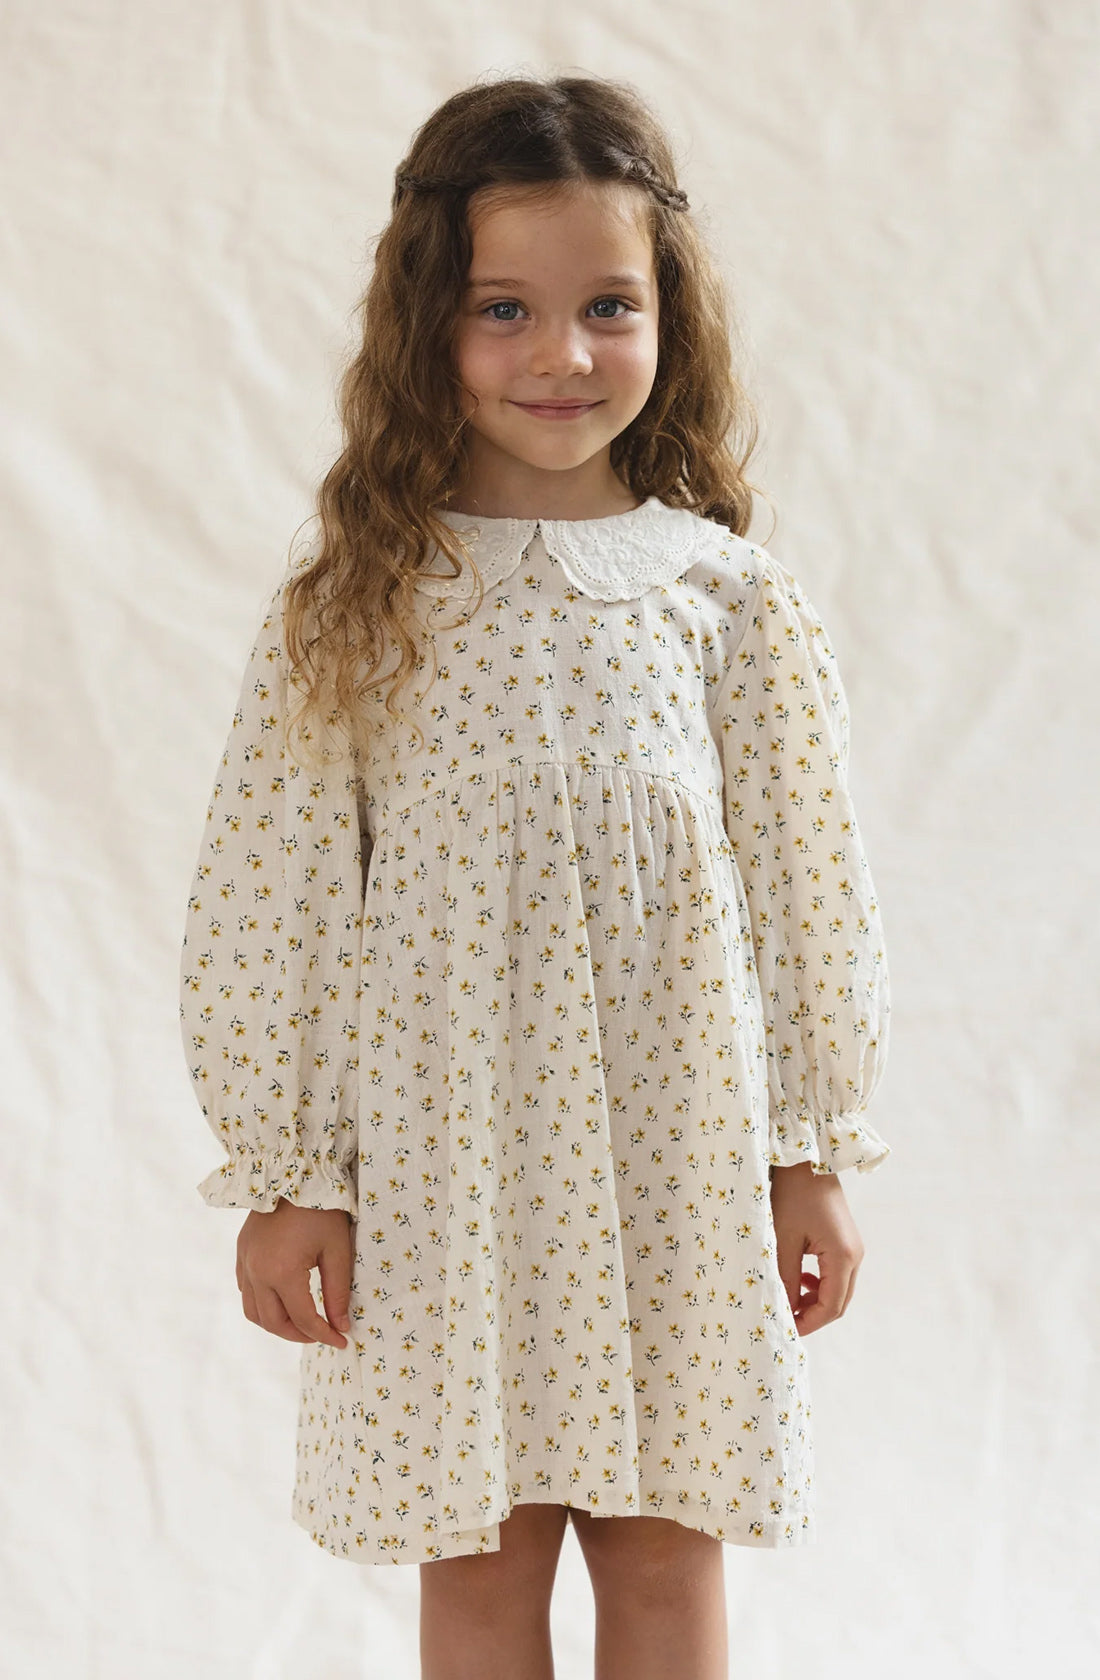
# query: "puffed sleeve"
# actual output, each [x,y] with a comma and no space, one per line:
[780,718]
[270,961]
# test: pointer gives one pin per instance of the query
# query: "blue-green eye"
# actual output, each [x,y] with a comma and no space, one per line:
[508,303]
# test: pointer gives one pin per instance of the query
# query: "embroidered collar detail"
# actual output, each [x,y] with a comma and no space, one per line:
[614,558]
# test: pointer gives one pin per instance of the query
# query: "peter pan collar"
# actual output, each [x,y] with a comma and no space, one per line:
[613,558]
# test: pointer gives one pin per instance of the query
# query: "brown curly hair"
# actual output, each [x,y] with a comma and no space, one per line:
[399,397]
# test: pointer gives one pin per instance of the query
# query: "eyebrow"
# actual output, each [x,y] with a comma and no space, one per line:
[604,280]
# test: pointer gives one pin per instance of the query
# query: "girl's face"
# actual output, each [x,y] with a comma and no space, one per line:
[560,303]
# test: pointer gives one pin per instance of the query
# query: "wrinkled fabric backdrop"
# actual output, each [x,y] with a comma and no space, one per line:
[900,199]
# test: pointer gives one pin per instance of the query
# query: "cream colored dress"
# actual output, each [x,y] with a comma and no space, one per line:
[538,1005]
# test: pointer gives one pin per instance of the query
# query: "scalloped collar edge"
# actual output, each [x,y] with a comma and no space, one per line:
[615,557]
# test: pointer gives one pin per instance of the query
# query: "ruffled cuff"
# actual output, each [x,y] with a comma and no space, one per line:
[830,1142]
[255,1179]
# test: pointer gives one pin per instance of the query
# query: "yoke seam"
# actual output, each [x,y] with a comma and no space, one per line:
[588,767]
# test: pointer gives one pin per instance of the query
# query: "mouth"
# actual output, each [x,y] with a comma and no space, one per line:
[557,410]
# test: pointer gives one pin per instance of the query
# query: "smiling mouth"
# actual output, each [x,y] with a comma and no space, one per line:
[556,409]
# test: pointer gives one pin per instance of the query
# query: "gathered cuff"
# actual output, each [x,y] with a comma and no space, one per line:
[256,1179]
[830,1142]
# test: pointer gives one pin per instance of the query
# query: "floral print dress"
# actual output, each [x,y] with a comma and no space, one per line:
[539,1004]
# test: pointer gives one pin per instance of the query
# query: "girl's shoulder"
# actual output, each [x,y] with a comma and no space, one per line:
[758,589]
[727,562]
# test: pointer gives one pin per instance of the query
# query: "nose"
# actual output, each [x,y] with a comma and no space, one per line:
[558,349]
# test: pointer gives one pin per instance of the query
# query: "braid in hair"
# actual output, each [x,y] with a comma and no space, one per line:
[674,198]
[428,183]
[646,176]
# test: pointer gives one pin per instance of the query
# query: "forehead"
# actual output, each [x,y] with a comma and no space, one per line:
[594,232]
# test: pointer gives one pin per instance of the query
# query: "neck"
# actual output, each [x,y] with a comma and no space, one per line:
[593,491]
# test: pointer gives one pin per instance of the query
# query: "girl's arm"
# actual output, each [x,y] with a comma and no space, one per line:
[781,720]
[270,961]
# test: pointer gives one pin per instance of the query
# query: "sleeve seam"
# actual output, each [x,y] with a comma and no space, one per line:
[750,614]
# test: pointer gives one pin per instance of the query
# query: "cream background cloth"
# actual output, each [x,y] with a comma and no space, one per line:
[901,199]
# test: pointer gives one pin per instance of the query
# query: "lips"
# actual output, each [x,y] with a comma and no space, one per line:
[557,410]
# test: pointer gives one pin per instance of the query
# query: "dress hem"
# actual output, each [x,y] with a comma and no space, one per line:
[781,1533]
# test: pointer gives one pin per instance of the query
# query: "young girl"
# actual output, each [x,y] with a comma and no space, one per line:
[539,1013]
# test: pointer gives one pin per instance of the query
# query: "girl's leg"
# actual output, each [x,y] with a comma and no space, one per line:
[487,1616]
[659,1590]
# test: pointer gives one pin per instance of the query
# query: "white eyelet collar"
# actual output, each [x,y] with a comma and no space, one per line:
[613,558]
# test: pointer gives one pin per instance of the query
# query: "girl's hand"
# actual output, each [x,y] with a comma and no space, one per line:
[276,1252]
[811,1216]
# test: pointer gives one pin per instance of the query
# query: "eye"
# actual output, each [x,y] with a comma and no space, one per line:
[510,303]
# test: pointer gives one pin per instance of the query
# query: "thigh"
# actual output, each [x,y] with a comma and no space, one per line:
[521,1573]
[644,1551]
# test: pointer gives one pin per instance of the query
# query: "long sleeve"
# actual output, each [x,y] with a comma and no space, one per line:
[780,718]
[269,969]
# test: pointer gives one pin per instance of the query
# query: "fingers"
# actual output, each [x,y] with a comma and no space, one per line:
[791,1274]
[275,1317]
[851,1287]
[248,1297]
[827,1294]
[299,1303]
[264,1306]
[811,1216]
[276,1254]
[334,1265]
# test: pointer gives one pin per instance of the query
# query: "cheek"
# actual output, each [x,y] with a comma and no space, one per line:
[634,358]
[482,361]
